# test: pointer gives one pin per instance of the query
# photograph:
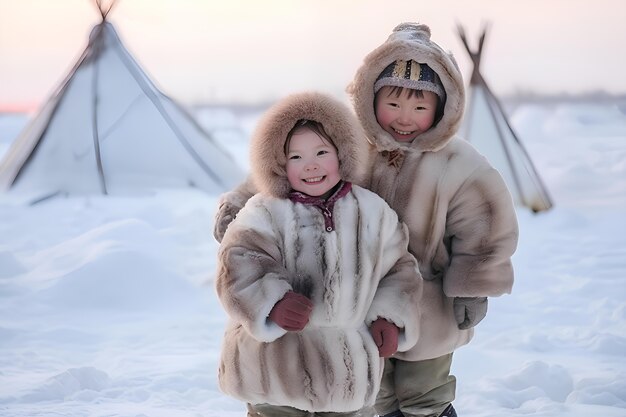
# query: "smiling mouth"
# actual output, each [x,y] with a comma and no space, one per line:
[314,180]
[402,132]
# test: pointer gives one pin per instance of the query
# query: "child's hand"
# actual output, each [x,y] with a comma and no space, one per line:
[469,311]
[292,312]
[385,336]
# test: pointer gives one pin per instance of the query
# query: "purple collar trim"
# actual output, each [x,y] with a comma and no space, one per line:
[326,206]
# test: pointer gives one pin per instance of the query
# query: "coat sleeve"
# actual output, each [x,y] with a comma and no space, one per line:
[400,287]
[229,205]
[251,278]
[482,234]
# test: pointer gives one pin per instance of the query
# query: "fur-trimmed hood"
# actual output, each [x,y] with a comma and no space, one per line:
[409,41]
[267,155]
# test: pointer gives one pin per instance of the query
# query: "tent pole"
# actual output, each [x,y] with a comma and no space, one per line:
[534,175]
[507,151]
[94,116]
[159,106]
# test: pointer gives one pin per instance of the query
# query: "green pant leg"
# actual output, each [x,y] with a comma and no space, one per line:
[364,412]
[424,388]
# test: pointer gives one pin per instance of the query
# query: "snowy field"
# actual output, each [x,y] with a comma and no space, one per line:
[107,306]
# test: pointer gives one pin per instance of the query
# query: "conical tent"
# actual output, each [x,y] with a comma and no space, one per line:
[108,129]
[487,128]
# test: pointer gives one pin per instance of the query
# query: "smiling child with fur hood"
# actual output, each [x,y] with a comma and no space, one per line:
[342,258]
[459,212]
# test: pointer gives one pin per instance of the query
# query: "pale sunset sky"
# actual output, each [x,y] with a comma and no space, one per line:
[256,50]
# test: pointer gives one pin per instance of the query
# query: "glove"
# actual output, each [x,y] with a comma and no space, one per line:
[469,311]
[385,336]
[292,312]
[226,213]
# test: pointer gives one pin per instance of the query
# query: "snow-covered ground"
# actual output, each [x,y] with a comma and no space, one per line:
[107,306]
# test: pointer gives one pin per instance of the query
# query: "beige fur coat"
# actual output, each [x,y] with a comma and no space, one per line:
[460,215]
[355,273]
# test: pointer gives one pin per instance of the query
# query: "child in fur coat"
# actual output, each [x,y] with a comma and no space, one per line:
[409,96]
[314,272]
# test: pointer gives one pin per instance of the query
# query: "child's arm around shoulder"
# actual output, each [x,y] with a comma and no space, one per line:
[229,205]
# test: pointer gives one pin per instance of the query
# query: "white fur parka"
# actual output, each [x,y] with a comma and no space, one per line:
[355,273]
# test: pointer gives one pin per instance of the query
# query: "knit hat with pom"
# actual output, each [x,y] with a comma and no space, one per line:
[410,74]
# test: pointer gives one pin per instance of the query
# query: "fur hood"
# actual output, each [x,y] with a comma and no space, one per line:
[267,155]
[409,41]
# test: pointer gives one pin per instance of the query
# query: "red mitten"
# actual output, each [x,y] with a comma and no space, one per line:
[385,336]
[292,312]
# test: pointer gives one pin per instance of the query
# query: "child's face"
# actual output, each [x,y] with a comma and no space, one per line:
[402,117]
[312,164]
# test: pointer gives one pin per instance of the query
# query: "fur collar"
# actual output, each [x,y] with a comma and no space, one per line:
[267,155]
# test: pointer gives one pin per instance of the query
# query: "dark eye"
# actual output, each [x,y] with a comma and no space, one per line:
[294,157]
[322,152]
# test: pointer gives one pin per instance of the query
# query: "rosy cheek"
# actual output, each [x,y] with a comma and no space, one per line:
[384,118]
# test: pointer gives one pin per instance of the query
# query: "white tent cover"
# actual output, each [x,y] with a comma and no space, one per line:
[109,129]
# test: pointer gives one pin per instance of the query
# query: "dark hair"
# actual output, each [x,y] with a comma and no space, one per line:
[313,126]
[419,94]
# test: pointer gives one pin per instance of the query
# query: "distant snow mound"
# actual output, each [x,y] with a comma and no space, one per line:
[588,120]
[68,383]
[121,280]
[605,390]
[123,266]
[553,380]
